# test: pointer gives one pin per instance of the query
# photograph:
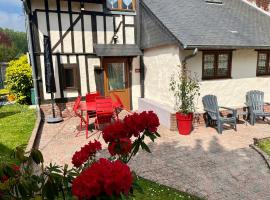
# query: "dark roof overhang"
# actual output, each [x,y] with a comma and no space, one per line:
[200,47]
[116,50]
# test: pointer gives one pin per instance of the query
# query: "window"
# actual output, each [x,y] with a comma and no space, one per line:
[121,4]
[70,76]
[116,76]
[263,67]
[216,64]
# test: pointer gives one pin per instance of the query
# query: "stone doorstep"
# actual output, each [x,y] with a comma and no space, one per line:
[264,155]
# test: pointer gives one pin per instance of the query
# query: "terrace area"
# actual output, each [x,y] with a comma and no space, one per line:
[207,164]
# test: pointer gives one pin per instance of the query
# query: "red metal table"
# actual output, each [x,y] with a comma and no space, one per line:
[90,106]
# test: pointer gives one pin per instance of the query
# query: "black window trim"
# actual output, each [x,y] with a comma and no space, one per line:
[267,69]
[74,67]
[216,53]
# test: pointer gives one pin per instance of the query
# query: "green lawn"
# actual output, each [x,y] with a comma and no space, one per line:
[265,146]
[154,191]
[16,125]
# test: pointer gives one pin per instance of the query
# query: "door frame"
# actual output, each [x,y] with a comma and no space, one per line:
[128,62]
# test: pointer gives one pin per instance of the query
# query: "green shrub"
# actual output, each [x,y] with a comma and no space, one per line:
[3,92]
[19,79]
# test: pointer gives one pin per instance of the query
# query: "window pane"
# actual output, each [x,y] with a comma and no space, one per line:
[69,78]
[116,76]
[262,63]
[223,62]
[127,4]
[209,61]
[112,4]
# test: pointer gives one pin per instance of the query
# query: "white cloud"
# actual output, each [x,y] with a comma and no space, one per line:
[12,20]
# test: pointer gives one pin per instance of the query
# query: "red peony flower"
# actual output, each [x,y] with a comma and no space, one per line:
[133,124]
[16,168]
[115,131]
[103,177]
[4,179]
[85,153]
[152,122]
[137,123]
[121,147]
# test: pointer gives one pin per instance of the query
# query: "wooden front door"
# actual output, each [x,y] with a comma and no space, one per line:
[116,79]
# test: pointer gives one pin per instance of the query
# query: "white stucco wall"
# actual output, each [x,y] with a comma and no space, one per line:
[160,64]
[231,92]
[136,87]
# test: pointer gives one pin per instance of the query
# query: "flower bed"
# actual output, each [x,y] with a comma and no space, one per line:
[106,178]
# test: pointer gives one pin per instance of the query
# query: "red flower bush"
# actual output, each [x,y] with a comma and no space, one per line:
[132,125]
[103,178]
[85,153]
[119,134]
[122,147]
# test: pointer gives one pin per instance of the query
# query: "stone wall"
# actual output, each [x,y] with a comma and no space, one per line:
[64,110]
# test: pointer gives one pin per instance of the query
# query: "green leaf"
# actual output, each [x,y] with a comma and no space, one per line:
[137,187]
[145,147]
[37,156]
[123,197]
[152,137]
[50,190]
[136,149]
[157,134]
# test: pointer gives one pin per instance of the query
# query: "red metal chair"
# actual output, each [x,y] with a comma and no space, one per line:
[104,111]
[118,106]
[77,113]
[91,97]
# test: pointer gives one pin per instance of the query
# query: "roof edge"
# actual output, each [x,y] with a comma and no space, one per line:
[225,47]
[162,25]
[256,7]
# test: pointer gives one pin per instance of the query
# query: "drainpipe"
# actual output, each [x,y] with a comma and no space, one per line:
[27,14]
[194,53]
[142,75]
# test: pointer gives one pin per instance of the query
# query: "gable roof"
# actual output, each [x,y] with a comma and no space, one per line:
[195,23]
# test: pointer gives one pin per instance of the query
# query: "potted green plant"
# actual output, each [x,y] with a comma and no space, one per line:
[185,88]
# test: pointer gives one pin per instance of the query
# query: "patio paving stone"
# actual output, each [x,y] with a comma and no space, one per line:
[205,163]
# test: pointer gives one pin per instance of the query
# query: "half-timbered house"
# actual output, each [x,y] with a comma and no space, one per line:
[94,47]
[133,48]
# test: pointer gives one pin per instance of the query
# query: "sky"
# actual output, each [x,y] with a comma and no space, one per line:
[11,15]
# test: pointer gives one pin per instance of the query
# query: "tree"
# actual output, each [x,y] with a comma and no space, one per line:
[7,53]
[12,44]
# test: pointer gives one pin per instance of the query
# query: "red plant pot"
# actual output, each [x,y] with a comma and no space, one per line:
[184,123]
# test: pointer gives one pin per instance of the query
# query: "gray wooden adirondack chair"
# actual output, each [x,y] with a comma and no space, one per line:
[211,107]
[255,103]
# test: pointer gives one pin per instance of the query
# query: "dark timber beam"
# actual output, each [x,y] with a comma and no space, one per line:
[70,29]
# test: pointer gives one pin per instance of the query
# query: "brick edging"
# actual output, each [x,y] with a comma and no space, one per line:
[264,155]
[32,143]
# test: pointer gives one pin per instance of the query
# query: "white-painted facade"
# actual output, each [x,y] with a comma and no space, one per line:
[82,53]
[161,63]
